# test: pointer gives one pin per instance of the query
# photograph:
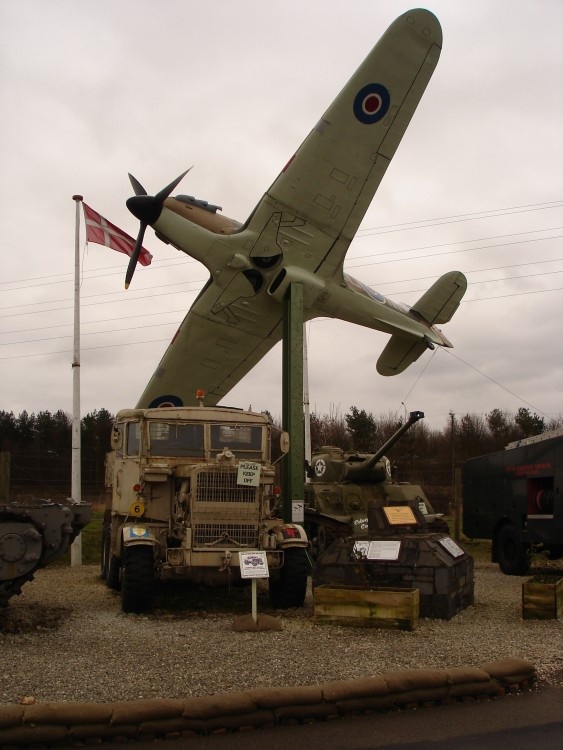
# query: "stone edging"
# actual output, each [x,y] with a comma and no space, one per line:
[76,723]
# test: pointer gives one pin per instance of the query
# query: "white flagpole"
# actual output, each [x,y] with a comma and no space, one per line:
[76,485]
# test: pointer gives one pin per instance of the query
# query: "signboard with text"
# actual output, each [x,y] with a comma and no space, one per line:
[253,565]
[248,473]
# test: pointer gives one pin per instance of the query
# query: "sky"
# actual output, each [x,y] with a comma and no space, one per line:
[93,90]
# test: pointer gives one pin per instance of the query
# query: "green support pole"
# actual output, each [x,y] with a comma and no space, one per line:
[292,405]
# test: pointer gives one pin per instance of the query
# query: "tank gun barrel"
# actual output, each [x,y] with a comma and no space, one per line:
[413,418]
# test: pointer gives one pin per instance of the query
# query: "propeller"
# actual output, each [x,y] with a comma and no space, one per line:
[147,209]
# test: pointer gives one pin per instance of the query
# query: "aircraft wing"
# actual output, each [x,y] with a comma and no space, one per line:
[334,175]
[300,230]
[208,352]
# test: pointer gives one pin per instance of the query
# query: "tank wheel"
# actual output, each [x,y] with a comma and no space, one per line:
[137,580]
[512,553]
[288,589]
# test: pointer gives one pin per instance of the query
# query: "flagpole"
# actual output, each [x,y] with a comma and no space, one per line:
[75,486]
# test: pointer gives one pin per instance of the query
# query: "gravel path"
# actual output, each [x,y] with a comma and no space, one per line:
[65,639]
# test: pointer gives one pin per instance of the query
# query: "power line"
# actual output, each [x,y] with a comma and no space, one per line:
[490,214]
[152,325]
[457,242]
[452,252]
[200,281]
[487,214]
[495,382]
[314,320]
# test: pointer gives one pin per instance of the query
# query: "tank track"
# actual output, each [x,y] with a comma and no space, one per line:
[32,535]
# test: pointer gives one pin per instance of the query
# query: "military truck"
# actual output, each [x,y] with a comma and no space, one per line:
[514,497]
[188,489]
[34,533]
[342,486]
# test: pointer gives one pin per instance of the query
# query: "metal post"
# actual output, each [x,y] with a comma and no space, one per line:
[292,404]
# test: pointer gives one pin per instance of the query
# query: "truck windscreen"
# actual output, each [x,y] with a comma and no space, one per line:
[245,439]
[175,439]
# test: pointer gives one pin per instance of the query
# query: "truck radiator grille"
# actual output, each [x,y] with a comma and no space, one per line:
[225,535]
[221,487]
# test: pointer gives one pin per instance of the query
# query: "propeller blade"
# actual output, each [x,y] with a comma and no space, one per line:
[135,256]
[136,185]
[147,209]
[165,192]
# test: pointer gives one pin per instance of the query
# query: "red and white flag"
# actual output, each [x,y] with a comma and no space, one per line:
[103,232]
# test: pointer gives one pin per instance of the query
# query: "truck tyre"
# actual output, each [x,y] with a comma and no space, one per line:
[110,564]
[289,588]
[137,581]
[512,553]
[104,561]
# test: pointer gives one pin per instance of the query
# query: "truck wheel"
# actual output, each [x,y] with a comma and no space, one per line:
[289,589]
[106,532]
[512,553]
[137,580]
[110,564]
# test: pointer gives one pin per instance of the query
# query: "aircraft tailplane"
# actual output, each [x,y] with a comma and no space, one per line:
[437,305]
[399,353]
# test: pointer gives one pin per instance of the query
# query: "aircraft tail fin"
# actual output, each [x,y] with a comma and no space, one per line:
[440,302]
[437,305]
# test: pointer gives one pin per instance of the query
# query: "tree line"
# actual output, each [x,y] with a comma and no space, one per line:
[40,448]
[40,445]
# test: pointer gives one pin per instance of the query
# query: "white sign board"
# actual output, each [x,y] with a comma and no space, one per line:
[378,550]
[450,546]
[253,565]
[297,511]
[248,473]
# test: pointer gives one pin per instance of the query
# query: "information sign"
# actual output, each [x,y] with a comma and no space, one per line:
[450,546]
[400,515]
[380,549]
[297,512]
[253,565]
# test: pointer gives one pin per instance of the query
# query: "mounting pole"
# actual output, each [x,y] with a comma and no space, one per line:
[292,405]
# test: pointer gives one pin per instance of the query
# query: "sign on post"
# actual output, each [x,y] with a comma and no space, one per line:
[254,565]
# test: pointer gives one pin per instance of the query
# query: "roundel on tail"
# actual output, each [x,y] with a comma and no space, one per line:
[372,103]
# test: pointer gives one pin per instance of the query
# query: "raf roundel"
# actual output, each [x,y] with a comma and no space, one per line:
[168,400]
[371,103]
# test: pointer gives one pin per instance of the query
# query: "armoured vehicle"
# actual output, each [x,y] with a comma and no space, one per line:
[514,497]
[190,488]
[32,534]
[343,485]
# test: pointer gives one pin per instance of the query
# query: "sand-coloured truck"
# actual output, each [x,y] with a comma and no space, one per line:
[189,488]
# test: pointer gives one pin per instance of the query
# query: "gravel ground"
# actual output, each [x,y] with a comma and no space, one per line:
[65,639]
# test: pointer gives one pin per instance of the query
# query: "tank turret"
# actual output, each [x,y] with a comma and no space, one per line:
[331,464]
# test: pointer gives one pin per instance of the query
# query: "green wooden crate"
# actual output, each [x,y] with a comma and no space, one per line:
[379,608]
[542,598]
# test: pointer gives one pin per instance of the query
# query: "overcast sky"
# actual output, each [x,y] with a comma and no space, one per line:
[92,90]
